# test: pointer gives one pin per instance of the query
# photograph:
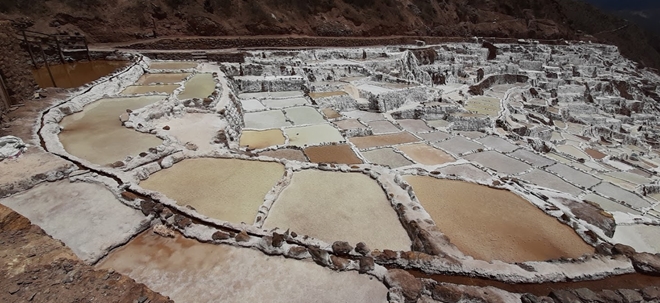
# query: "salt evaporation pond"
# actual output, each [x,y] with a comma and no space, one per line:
[172,65]
[190,271]
[335,206]
[225,189]
[146,89]
[492,224]
[199,86]
[97,135]
[161,78]
[256,139]
[75,74]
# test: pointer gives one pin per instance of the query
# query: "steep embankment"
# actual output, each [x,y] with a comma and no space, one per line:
[122,20]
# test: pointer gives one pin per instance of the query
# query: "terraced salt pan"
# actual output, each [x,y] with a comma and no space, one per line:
[349,124]
[438,124]
[190,271]
[87,217]
[383,140]
[484,105]
[147,79]
[334,206]
[623,184]
[286,153]
[257,139]
[498,144]
[609,205]
[596,154]
[340,153]
[574,176]
[145,89]
[414,125]
[196,128]
[643,238]
[492,224]
[304,115]
[363,115]
[200,86]
[172,65]
[459,145]
[313,135]
[383,127]
[225,189]
[259,95]
[619,194]
[386,157]
[330,113]
[425,154]
[435,136]
[266,120]
[468,171]
[630,177]
[316,95]
[498,162]
[532,158]
[573,151]
[252,105]
[549,180]
[282,103]
[97,135]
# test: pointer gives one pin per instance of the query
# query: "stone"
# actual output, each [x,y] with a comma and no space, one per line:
[182,221]
[242,236]
[341,248]
[129,196]
[296,252]
[278,239]
[220,235]
[117,164]
[362,248]
[604,249]
[530,298]
[318,255]
[147,207]
[123,117]
[564,296]
[586,295]
[163,231]
[651,293]
[610,296]
[385,256]
[366,264]
[339,263]
[410,285]
[446,293]
[191,146]
[630,296]
[166,213]
[166,127]
[622,249]
[646,263]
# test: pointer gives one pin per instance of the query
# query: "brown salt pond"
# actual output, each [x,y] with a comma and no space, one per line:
[596,154]
[199,86]
[383,140]
[286,153]
[190,271]
[161,78]
[172,65]
[335,206]
[425,154]
[75,74]
[341,154]
[97,135]
[145,89]
[330,113]
[492,224]
[262,138]
[225,189]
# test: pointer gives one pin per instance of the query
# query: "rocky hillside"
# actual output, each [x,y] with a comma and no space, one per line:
[124,20]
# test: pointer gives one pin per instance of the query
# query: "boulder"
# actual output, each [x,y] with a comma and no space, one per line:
[410,285]
[622,249]
[341,248]
[564,296]
[630,296]
[651,293]
[646,263]
[610,296]
[446,293]
[586,295]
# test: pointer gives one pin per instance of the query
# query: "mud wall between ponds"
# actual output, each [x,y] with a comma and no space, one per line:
[15,69]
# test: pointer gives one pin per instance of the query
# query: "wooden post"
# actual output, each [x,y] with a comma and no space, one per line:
[43,55]
[29,47]
[4,93]
[59,49]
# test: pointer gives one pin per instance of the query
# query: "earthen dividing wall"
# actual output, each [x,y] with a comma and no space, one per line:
[15,68]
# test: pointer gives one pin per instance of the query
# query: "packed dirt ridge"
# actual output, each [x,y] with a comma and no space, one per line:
[122,21]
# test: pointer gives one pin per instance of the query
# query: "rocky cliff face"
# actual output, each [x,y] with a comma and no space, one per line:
[116,21]
[14,67]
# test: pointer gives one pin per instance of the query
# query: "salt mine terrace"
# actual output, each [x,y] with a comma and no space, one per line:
[390,173]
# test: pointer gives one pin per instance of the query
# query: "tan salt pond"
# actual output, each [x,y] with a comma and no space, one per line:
[199,86]
[190,271]
[226,189]
[333,206]
[427,155]
[484,106]
[312,135]
[330,113]
[97,135]
[573,151]
[492,224]
[383,140]
[144,89]
[316,95]
[261,139]
[172,65]
[161,78]
[340,153]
